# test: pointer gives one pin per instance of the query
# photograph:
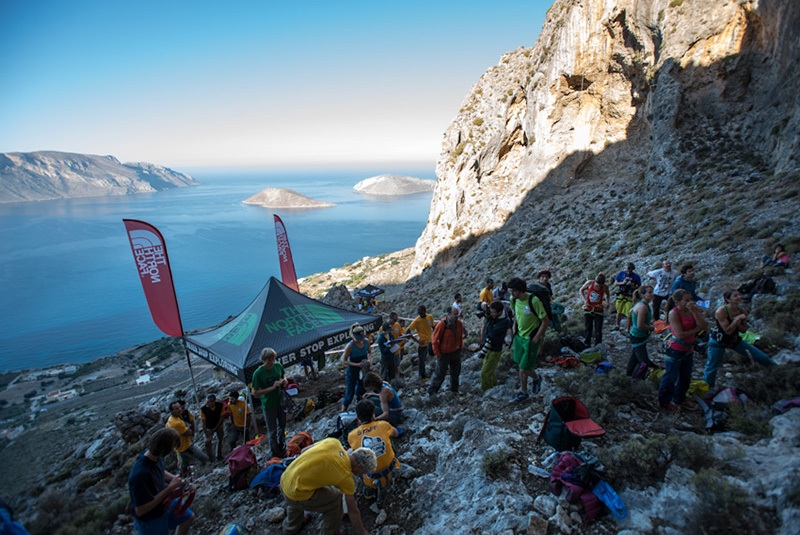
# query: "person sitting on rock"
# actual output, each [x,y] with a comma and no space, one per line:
[731,321]
[376,435]
[384,397]
[779,259]
[149,485]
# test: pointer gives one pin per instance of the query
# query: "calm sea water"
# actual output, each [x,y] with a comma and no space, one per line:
[70,288]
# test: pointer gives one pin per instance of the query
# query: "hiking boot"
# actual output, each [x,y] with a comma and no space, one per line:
[688,405]
[670,407]
[537,385]
[521,396]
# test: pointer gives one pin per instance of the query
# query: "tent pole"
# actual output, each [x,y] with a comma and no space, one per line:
[191,371]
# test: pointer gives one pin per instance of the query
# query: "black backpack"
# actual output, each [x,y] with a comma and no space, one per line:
[544,295]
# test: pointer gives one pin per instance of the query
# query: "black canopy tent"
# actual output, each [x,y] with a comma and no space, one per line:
[294,325]
[370,291]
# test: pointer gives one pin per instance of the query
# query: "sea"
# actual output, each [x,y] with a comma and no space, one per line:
[70,286]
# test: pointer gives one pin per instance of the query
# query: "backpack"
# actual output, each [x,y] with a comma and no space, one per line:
[7,524]
[761,285]
[307,408]
[567,424]
[544,296]
[269,478]
[299,440]
[242,466]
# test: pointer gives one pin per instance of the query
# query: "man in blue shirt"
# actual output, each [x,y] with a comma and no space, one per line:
[685,281]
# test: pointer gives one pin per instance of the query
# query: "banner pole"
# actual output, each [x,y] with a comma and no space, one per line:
[191,370]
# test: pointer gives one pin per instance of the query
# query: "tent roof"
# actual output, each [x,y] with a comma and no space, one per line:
[370,291]
[294,325]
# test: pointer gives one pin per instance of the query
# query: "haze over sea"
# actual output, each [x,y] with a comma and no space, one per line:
[71,290]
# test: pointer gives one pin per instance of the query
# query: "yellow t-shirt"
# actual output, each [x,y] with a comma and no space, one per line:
[423,327]
[180,426]
[486,296]
[398,331]
[324,464]
[376,436]
[238,411]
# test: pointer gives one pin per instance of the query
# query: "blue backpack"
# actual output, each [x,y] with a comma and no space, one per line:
[269,478]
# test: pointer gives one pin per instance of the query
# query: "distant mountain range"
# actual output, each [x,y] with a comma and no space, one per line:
[47,175]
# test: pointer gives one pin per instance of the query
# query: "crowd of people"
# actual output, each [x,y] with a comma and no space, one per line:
[515,315]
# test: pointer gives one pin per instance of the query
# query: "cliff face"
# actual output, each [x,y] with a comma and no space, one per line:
[645,93]
[40,176]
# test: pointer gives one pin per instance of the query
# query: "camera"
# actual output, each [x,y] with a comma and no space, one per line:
[486,347]
[480,314]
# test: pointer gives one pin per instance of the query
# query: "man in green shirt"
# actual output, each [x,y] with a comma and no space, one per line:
[530,324]
[268,383]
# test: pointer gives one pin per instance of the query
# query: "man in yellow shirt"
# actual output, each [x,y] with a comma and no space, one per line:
[187,452]
[316,480]
[423,325]
[486,296]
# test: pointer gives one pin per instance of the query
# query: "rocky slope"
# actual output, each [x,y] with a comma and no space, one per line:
[393,185]
[46,175]
[284,198]
[641,97]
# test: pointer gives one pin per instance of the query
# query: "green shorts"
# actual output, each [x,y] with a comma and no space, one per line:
[623,304]
[525,352]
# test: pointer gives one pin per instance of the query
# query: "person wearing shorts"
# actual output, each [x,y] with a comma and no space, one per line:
[530,322]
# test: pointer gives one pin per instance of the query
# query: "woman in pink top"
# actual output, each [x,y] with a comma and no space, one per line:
[685,321]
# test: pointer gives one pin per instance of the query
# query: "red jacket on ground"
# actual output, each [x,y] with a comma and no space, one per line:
[445,340]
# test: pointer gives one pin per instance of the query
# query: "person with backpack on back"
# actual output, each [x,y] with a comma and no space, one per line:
[150,485]
[376,435]
[641,327]
[448,341]
[316,481]
[269,380]
[626,282]
[596,299]
[530,324]
[494,333]
[731,320]
[685,321]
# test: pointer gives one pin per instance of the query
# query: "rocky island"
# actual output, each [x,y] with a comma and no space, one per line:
[48,175]
[388,184]
[284,198]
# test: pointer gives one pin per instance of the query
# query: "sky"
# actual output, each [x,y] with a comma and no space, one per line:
[262,84]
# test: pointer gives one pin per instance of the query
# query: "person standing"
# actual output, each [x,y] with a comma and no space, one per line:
[269,381]
[664,277]
[596,300]
[685,281]
[211,417]
[149,486]
[457,304]
[486,296]
[187,452]
[316,481]
[685,321]
[240,414]
[448,341]
[386,345]
[530,324]
[356,361]
[423,326]
[731,321]
[495,329]
[641,327]
[626,282]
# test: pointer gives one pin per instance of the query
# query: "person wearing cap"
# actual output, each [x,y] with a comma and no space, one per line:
[356,361]
[317,479]
[239,413]
[626,282]
[423,326]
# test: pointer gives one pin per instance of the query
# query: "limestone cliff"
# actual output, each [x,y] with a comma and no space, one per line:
[646,93]
[46,175]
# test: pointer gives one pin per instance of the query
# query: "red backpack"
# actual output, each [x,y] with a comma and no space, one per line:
[243,467]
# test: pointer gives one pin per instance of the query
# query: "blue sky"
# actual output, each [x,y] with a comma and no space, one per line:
[259,84]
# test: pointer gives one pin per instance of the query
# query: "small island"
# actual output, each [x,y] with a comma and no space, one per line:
[388,184]
[284,198]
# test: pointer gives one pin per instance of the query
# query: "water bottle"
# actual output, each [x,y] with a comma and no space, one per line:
[538,471]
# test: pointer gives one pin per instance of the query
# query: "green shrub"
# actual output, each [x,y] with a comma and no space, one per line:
[496,463]
[723,507]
